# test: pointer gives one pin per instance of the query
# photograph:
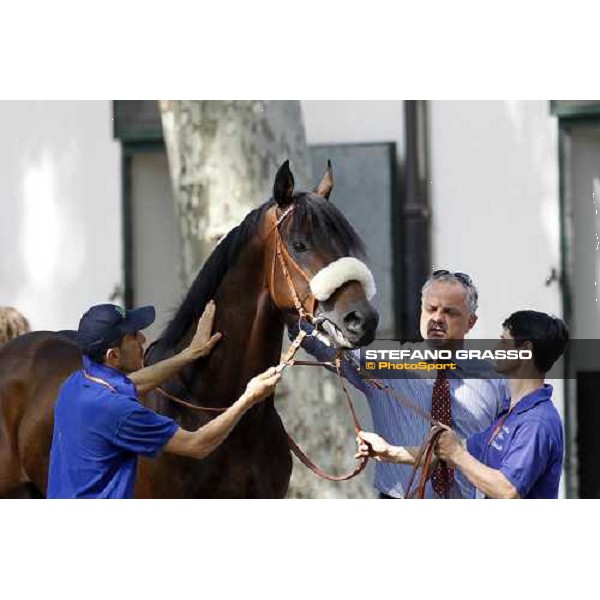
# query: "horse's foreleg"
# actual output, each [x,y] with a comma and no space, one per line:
[11,476]
[12,480]
[23,490]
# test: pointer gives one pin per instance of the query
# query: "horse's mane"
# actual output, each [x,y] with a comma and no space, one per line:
[315,220]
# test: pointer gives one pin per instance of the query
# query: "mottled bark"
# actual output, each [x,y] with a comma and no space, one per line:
[223,156]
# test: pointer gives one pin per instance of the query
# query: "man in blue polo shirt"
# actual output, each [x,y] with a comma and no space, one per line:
[100,427]
[520,454]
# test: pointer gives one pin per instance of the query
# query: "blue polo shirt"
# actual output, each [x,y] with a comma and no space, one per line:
[526,446]
[98,434]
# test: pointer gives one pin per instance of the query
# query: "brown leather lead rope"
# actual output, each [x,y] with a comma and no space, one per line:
[307,462]
[405,401]
[188,404]
[294,347]
[427,449]
[288,360]
[300,454]
[291,351]
[426,457]
[338,368]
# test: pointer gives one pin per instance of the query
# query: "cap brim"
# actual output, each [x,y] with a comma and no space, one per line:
[138,319]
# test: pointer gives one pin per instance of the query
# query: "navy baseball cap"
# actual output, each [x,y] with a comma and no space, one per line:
[102,326]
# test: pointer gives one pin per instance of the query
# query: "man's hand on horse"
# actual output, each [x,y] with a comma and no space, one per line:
[371,444]
[448,446]
[203,342]
[262,386]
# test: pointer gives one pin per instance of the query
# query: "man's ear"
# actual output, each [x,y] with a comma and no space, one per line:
[528,345]
[113,355]
[472,321]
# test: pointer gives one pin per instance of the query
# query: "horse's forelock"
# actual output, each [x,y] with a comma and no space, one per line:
[328,231]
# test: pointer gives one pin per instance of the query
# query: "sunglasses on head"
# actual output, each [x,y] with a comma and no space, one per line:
[462,277]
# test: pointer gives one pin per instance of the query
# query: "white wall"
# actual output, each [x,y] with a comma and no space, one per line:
[495,204]
[354,121]
[60,233]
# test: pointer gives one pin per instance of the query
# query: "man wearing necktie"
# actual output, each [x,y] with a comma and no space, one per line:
[468,405]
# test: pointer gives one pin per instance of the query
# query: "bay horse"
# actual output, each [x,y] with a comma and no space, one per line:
[253,299]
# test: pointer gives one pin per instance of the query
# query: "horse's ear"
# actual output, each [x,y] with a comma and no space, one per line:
[326,184]
[284,185]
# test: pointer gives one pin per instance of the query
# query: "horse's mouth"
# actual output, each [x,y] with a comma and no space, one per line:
[335,335]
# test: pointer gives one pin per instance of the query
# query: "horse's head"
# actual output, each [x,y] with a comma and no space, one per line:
[315,262]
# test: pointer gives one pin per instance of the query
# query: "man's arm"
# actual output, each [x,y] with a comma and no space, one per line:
[202,344]
[203,441]
[371,444]
[491,482]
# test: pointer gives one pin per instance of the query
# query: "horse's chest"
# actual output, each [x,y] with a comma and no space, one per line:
[254,462]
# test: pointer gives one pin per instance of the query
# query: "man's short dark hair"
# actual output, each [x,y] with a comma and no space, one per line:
[99,356]
[548,335]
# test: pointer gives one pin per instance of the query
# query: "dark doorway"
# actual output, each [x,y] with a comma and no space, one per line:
[588,437]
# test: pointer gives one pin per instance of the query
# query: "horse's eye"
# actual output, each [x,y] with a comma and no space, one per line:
[299,247]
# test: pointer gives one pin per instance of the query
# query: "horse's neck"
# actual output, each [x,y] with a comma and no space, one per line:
[252,331]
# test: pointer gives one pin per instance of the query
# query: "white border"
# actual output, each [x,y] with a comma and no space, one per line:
[298,50]
[297,549]
[265,48]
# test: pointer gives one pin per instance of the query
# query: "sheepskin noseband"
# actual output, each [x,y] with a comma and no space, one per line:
[334,275]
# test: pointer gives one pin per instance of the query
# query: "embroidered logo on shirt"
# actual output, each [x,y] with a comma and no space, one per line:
[500,437]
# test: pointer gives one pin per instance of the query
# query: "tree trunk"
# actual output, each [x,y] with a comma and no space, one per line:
[223,156]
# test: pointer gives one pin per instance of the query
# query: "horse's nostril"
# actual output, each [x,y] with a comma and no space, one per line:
[354,322]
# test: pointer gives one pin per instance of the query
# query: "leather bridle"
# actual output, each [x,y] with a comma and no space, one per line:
[282,256]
